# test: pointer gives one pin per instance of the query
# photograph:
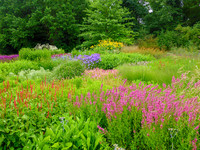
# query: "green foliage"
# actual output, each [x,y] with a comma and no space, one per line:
[50,64]
[71,134]
[17,66]
[145,74]
[57,51]
[40,75]
[171,39]
[69,69]
[26,23]
[106,19]
[148,41]
[159,71]
[34,55]
[138,10]
[81,52]
[110,61]
[190,9]
[2,77]
[191,34]
[166,14]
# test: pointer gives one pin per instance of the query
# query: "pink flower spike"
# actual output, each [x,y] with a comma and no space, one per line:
[197,127]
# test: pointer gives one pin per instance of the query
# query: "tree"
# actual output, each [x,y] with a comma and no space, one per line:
[191,10]
[24,23]
[165,15]
[106,19]
[138,10]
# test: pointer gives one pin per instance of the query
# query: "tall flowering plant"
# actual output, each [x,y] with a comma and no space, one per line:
[5,58]
[107,46]
[90,61]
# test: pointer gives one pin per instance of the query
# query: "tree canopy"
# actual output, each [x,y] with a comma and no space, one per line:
[70,23]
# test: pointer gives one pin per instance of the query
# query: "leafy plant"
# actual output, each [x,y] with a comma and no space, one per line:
[68,69]
[106,21]
[170,39]
[17,66]
[34,75]
[34,55]
[110,61]
[57,51]
[71,133]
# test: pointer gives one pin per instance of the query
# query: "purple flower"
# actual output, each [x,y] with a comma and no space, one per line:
[5,58]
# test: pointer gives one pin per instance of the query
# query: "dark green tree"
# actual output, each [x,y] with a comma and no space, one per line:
[138,10]
[107,19]
[191,11]
[24,23]
[164,15]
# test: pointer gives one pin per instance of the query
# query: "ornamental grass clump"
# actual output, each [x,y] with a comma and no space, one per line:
[68,69]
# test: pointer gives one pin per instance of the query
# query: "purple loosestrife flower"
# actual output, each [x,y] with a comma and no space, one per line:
[5,58]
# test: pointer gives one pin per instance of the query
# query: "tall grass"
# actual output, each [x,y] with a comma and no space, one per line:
[159,71]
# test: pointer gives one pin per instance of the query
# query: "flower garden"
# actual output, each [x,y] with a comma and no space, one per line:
[101,98]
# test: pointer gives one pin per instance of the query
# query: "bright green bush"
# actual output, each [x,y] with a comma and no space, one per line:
[50,64]
[57,51]
[68,69]
[69,134]
[2,77]
[17,66]
[34,55]
[110,61]
[81,52]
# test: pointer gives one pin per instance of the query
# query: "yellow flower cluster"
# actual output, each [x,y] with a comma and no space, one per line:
[108,44]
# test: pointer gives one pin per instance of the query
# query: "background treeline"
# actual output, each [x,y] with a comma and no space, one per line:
[72,24]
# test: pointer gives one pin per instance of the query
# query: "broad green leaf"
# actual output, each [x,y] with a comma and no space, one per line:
[67,146]
[56,145]
[1,139]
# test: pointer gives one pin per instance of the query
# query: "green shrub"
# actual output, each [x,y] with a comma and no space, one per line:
[17,66]
[57,51]
[69,134]
[2,77]
[81,52]
[69,69]
[191,34]
[110,61]
[34,55]
[50,64]
[34,75]
[169,39]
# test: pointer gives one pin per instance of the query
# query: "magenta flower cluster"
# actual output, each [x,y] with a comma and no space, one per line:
[158,105]
[5,58]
